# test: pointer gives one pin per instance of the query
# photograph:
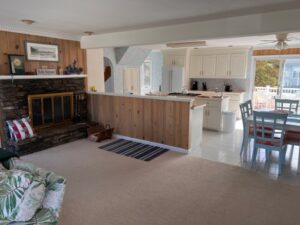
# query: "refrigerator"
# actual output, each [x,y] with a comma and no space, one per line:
[172,79]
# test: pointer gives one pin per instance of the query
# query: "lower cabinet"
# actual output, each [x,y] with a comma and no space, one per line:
[212,119]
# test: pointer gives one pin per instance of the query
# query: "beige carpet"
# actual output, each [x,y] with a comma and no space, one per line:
[108,189]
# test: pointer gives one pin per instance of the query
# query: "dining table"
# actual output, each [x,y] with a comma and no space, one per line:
[292,124]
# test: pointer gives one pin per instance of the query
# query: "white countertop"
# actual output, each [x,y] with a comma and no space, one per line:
[213,92]
[162,97]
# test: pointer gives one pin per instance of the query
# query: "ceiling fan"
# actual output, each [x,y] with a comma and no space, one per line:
[281,41]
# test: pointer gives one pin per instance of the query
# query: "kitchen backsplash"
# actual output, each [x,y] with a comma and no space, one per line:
[212,84]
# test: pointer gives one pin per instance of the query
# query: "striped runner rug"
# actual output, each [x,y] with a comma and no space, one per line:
[134,149]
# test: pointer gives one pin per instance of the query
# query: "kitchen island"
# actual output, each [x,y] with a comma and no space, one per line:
[213,112]
[167,120]
[215,104]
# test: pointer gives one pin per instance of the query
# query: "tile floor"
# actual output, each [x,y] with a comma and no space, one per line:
[225,148]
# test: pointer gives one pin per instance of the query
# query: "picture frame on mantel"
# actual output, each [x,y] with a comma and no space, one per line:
[41,52]
[16,64]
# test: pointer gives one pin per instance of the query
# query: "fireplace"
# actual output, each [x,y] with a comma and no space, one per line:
[51,109]
[57,108]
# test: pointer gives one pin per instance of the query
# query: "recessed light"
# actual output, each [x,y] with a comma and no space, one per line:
[88,33]
[28,22]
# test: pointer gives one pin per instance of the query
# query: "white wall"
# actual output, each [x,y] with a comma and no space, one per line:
[95,69]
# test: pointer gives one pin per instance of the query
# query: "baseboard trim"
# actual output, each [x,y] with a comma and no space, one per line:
[172,148]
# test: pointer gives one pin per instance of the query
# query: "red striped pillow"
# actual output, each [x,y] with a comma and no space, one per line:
[20,129]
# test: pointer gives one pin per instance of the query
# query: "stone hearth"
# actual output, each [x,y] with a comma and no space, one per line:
[14,104]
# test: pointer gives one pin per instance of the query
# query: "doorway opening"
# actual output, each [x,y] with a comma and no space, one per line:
[108,75]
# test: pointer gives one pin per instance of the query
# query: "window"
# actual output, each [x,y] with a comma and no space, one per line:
[276,78]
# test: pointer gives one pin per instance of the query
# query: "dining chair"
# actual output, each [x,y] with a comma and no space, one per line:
[287,104]
[269,134]
[246,111]
[293,137]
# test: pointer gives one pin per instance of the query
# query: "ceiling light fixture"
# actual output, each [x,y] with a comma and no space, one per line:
[281,45]
[88,33]
[28,22]
[186,44]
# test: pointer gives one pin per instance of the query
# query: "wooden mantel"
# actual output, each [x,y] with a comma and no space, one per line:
[33,77]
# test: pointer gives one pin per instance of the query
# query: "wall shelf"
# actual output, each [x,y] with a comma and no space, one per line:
[33,77]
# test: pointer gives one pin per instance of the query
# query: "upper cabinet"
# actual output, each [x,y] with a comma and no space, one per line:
[174,57]
[238,65]
[224,63]
[202,66]
[196,62]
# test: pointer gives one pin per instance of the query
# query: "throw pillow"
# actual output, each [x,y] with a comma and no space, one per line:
[42,217]
[13,184]
[32,200]
[20,129]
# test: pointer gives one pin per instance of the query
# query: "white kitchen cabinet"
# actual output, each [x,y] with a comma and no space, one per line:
[168,60]
[235,99]
[222,65]
[196,66]
[179,60]
[209,65]
[174,57]
[213,118]
[238,63]
[231,66]
[174,60]
[202,66]
[218,63]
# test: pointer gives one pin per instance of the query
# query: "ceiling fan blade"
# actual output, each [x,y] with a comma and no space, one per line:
[265,43]
[268,40]
[293,39]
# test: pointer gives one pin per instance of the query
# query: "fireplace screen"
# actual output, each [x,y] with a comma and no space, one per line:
[50,109]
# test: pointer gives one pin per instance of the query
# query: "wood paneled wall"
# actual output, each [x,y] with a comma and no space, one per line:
[14,43]
[166,122]
[289,51]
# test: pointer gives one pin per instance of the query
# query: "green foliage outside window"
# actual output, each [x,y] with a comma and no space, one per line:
[267,73]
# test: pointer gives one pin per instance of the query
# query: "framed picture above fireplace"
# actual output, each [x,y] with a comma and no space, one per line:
[41,52]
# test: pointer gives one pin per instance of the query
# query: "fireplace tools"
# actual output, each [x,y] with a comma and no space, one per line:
[80,98]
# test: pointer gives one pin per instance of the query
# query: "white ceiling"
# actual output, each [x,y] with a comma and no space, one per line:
[73,17]
[251,41]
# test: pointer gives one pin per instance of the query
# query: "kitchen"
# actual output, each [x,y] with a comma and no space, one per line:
[216,77]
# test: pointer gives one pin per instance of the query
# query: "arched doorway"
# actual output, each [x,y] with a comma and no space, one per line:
[108,75]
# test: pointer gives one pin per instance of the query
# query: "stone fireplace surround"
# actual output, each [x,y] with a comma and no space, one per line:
[14,105]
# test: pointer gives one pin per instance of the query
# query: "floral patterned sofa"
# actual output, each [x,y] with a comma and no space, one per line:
[29,195]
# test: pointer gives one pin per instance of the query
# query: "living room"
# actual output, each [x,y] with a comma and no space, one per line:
[151,116]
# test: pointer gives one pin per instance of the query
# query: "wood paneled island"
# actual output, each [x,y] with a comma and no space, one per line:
[165,120]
